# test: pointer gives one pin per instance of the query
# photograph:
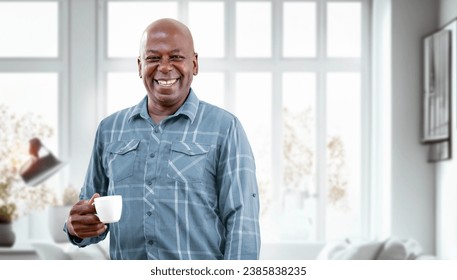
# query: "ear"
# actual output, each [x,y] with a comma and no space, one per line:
[195,62]
[140,67]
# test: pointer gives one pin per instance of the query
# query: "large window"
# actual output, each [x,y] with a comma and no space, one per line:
[32,61]
[293,75]
[32,87]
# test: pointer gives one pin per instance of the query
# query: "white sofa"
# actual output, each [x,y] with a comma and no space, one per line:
[392,248]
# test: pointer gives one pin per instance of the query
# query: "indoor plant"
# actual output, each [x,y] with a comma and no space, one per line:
[16,198]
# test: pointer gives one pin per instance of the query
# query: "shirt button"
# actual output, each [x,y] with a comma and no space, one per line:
[156,130]
[149,183]
[150,242]
[149,213]
[152,155]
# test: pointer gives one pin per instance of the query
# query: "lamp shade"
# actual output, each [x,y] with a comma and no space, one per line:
[42,164]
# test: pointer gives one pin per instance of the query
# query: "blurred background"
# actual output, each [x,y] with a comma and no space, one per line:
[329,92]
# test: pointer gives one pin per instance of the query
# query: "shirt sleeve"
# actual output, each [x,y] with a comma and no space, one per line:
[83,242]
[95,181]
[239,196]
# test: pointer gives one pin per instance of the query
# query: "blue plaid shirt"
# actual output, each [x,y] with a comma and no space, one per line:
[188,184]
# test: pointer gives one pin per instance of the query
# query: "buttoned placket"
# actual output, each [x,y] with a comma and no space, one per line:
[152,164]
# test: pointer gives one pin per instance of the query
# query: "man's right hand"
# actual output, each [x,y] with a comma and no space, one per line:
[82,221]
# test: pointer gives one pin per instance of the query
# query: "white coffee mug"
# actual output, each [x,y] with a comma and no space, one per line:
[108,208]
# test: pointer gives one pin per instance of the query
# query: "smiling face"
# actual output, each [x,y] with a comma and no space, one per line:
[167,64]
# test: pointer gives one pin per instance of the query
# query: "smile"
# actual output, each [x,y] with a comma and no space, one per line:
[166,83]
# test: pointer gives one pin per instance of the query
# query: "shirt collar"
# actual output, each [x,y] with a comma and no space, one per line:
[188,108]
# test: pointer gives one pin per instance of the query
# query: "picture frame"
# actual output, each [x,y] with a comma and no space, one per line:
[437,88]
[439,151]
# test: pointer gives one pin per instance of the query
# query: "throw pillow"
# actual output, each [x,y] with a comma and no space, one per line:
[395,248]
[331,248]
[361,251]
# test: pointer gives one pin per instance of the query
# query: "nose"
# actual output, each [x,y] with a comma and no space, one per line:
[165,66]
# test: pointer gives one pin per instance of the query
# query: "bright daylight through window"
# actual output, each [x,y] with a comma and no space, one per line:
[29,105]
[293,74]
[305,127]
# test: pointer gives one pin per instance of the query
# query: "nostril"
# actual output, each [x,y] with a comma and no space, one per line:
[165,68]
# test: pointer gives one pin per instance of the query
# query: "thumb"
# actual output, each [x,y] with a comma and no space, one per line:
[91,200]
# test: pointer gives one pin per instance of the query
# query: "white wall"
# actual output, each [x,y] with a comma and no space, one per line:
[412,187]
[446,172]
[448,11]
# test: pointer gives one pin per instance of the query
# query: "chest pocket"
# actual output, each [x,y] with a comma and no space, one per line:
[121,159]
[187,161]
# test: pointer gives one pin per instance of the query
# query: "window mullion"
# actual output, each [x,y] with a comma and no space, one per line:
[277,108]
[183,11]
[102,66]
[321,124]
[367,121]
[230,46]
[64,88]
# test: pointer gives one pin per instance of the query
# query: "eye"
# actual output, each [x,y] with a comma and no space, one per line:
[177,58]
[152,59]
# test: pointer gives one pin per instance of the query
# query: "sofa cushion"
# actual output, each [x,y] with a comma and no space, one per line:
[347,250]
[361,251]
[327,252]
[395,248]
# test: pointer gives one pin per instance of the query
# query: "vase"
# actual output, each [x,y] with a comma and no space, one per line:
[7,236]
[57,217]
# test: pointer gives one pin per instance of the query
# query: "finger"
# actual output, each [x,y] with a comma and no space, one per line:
[92,231]
[91,200]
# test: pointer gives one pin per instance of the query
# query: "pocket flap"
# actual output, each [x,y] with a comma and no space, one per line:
[190,149]
[123,147]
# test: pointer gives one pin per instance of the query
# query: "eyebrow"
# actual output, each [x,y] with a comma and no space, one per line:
[155,51]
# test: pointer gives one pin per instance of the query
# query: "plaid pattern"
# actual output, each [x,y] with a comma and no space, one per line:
[188,184]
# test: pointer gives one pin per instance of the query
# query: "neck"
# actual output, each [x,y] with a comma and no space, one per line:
[158,112]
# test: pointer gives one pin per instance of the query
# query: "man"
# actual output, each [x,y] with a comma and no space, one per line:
[185,168]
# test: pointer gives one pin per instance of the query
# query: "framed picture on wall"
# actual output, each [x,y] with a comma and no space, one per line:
[439,151]
[437,87]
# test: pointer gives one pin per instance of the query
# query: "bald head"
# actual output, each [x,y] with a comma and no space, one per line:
[164,28]
[167,63]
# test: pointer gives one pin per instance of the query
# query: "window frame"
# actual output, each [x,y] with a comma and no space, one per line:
[30,227]
[229,64]
[57,64]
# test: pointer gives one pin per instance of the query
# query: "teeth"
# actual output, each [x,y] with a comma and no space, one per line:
[166,82]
